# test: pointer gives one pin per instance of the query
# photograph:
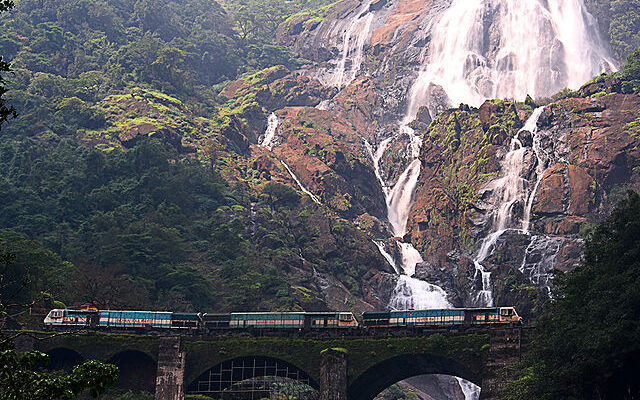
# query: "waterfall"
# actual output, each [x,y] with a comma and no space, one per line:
[483,49]
[414,294]
[409,293]
[507,191]
[539,258]
[470,391]
[270,133]
[352,48]
[383,250]
[300,185]
[399,200]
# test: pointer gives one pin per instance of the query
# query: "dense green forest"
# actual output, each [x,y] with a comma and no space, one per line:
[164,230]
[588,341]
[68,55]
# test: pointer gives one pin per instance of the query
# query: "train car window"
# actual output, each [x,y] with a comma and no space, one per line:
[346,317]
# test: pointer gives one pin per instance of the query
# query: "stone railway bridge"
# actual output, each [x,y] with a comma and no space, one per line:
[346,368]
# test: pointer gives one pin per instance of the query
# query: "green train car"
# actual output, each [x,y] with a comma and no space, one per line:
[281,320]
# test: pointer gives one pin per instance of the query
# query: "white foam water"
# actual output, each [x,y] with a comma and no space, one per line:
[415,294]
[483,49]
[354,39]
[383,250]
[470,391]
[270,132]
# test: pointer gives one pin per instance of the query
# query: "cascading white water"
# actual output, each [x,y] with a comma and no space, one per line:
[507,191]
[270,132]
[352,48]
[483,49]
[383,250]
[414,294]
[300,185]
[409,293]
[470,391]
[400,198]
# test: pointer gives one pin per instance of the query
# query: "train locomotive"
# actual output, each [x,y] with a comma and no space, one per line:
[64,319]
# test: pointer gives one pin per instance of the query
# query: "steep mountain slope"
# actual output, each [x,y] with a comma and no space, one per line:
[339,177]
[499,190]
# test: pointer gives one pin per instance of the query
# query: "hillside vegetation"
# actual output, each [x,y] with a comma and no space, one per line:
[143,222]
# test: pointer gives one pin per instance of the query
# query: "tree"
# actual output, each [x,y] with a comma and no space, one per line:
[22,378]
[588,340]
[6,111]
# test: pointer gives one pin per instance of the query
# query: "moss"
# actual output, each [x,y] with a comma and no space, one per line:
[599,94]
[338,349]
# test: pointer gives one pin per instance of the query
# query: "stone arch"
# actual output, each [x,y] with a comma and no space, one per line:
[384,374]
[63,358]
[230,372]
[137,370]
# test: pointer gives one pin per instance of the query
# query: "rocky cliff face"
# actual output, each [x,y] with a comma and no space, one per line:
[472,233]
[591,152]
[342,132]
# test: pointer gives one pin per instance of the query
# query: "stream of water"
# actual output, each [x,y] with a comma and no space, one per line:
[354,39]
[268,142]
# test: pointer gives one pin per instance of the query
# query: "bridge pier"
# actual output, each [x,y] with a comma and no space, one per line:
[170,373]
[333,375]
[507,347]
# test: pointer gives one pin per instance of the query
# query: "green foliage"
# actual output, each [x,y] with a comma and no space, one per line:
[68,55]
[29,272]
[280,194]
[5,111]
[589,337]
[620,21]
[22,378]
[630,75]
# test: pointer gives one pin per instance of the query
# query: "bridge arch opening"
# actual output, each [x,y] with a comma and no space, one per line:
[137,370]
[252,374]
[399,368]
[63,358]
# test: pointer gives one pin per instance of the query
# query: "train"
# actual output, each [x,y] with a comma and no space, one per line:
[91,318]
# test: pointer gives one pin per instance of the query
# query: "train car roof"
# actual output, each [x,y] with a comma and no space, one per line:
[440,309]
[268,312]
[139,311]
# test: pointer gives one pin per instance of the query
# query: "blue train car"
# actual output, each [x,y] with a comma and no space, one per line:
[413,318]
[441,317]
[135,319]
[330,320]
